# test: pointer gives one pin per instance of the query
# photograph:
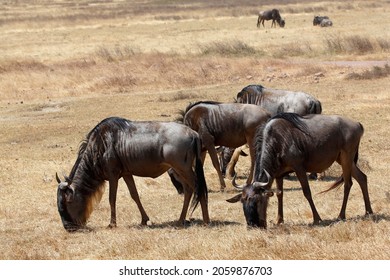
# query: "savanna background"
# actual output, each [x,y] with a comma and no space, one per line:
[66,65]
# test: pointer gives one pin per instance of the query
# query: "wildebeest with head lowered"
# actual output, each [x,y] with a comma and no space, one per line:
[118,148]
[224,124]
[280,101]
[273,15]
[274,101]
[300,144]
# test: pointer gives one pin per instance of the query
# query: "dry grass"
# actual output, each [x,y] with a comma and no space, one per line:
[60,75]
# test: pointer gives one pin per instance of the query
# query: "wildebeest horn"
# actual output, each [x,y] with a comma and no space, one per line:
[238,187]
[262,184]
[62,185]
[58,178]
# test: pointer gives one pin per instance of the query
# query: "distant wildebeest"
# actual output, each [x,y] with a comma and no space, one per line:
[273,15]
[274,101]
[224,124]
[322,21]
[118,148]
[300,144]
[326,23]
[317,19]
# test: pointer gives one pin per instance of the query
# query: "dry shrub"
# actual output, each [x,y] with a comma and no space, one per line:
[17,65]
[375,72]
[359,44]
[293,49]
[353,44]
[383,44]
[181,95]
[230,48]
[310,70]
[116,54]
[334,44]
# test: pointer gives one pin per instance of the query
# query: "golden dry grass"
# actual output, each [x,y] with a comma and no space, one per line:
[66,65]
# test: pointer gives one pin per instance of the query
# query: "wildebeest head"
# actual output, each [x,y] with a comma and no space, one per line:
[254,199]
[71,206]
[282,22]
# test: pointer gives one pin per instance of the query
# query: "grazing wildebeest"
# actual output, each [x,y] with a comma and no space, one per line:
[224,124]
[278,101]
[275,101]
[300,144]
[273,14]
[118,148]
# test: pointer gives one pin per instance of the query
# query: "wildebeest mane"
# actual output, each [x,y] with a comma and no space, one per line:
[270,149]
[91,152]
[180,118]
[294,119]
[249,94]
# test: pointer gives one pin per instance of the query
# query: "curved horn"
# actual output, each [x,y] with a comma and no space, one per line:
[62,185]
[238,187]
[262,184]
[58,178]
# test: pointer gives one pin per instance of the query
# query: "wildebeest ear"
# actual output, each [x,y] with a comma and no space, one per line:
[234,199]
[268,193]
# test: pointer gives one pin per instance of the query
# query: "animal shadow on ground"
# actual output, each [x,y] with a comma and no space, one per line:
[376,218]
[187,224]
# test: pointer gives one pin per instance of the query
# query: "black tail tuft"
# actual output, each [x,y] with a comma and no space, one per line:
[201,191]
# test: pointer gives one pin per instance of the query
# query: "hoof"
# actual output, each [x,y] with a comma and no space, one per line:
[111,225]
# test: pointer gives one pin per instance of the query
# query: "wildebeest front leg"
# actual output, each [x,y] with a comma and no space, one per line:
[301,174]
[134,195]
[279,195]
[113,185]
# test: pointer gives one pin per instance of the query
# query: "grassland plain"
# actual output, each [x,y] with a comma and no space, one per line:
[66,65]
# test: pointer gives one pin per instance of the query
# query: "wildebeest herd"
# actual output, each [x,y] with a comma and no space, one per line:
[285,132]
[274,15]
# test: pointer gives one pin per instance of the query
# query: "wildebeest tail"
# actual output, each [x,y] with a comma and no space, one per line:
[340,180]
[336,184]
[201,191]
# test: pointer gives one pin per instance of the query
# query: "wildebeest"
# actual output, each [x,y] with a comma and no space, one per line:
[226,155]
[224,124]
[300,144]
[118,148]
[326,23]
[278,101]
[275,101]
[273,14]
[317,19]
[322,21]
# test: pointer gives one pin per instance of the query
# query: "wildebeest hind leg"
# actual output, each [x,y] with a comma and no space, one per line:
[186,204]
[186,176]
[214,160]
[361,178]
[134,195]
